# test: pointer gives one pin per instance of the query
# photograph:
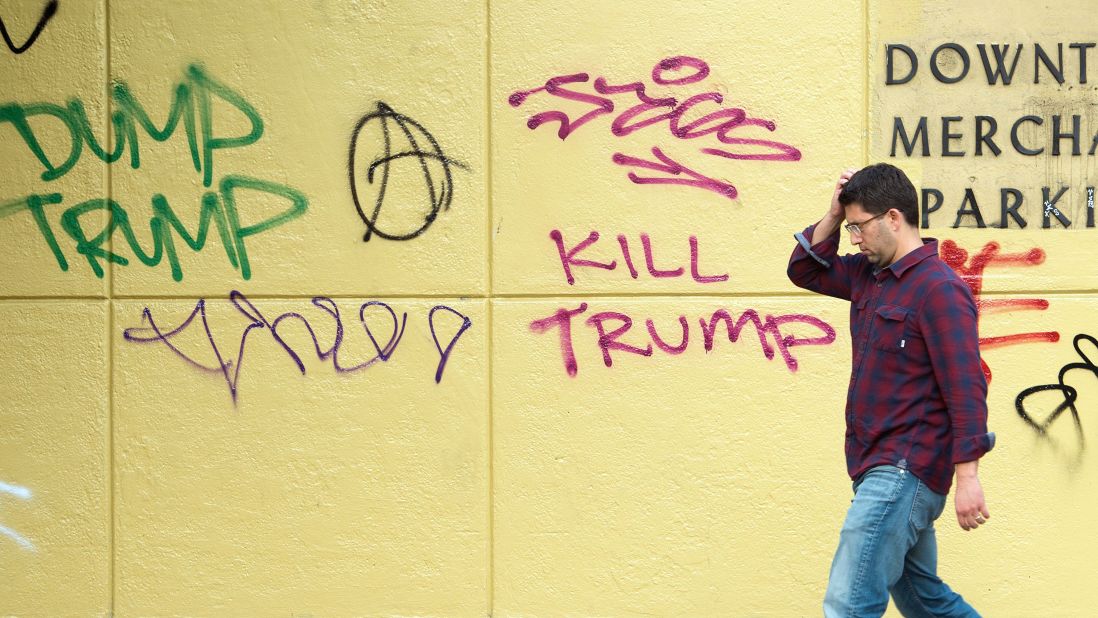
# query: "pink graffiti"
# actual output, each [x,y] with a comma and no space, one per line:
[972,274]
[676,63]
[672,72]
[612,326]
[569,259]
[669,166]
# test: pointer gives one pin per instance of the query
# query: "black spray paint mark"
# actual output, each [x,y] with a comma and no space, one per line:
[1070,395]
[440,192]
[50,10]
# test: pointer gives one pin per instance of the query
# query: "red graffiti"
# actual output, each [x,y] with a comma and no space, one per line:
[568,259]
[612,326]
[972,274]
[645,111]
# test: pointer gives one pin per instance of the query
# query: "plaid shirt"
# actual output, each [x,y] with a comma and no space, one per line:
[917,397]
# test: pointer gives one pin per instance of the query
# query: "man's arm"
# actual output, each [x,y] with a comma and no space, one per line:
[947,320]
[815,264]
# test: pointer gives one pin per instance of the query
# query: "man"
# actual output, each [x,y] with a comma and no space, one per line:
[916,409]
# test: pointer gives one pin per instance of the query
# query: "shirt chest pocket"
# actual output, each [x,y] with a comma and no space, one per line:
[890,328]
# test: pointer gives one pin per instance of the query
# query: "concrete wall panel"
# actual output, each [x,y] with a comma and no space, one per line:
[363,484]
[55,466]
[214,405]
[54,105]
[610,168]
[295,89]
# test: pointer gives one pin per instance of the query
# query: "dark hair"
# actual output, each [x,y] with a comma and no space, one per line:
[881,187]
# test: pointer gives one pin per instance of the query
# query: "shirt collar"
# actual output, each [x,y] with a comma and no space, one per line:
[902,265]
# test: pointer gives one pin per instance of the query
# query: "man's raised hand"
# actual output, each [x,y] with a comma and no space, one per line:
[836,208]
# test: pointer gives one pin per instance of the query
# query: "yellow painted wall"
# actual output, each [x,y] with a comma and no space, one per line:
[307,415]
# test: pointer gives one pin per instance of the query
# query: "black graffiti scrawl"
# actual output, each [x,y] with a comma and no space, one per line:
[1069,395]
[47,13]
[388,147]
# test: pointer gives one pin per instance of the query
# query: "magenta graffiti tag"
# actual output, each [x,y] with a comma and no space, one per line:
[646,111]
[609,340]
[562,319]
[569,259]
[669,166]
[770,332]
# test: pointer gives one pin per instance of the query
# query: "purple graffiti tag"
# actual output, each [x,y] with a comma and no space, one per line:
[383,354]
[230,369]
[444,356]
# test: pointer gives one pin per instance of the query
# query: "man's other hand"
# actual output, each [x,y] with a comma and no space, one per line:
[969,498]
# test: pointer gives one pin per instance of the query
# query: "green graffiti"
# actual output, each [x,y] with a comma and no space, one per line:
[192,103]
[191,107]
[36,205]
[219,209]
[17,116]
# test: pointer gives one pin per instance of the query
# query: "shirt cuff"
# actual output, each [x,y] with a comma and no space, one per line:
[972,447]
[807,246]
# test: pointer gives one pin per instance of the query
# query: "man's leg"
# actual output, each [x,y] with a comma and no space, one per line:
[874,540]
[920,593]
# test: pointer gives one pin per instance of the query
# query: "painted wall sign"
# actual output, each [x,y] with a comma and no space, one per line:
[1045,89]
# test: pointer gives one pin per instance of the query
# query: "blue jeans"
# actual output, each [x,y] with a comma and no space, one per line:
[887,545]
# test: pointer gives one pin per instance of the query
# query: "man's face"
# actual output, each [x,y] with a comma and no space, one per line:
[874,238]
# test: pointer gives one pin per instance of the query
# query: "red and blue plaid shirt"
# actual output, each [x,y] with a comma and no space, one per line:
[917,397]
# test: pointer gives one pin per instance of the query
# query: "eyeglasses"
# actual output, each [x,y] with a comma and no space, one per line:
[855,228]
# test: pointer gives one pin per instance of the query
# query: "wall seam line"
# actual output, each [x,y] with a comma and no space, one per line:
[516,296]
[865,83]
[111,561]
[490,574]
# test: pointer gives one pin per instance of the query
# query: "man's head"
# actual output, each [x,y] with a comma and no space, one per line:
[881,187]
[881,203]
